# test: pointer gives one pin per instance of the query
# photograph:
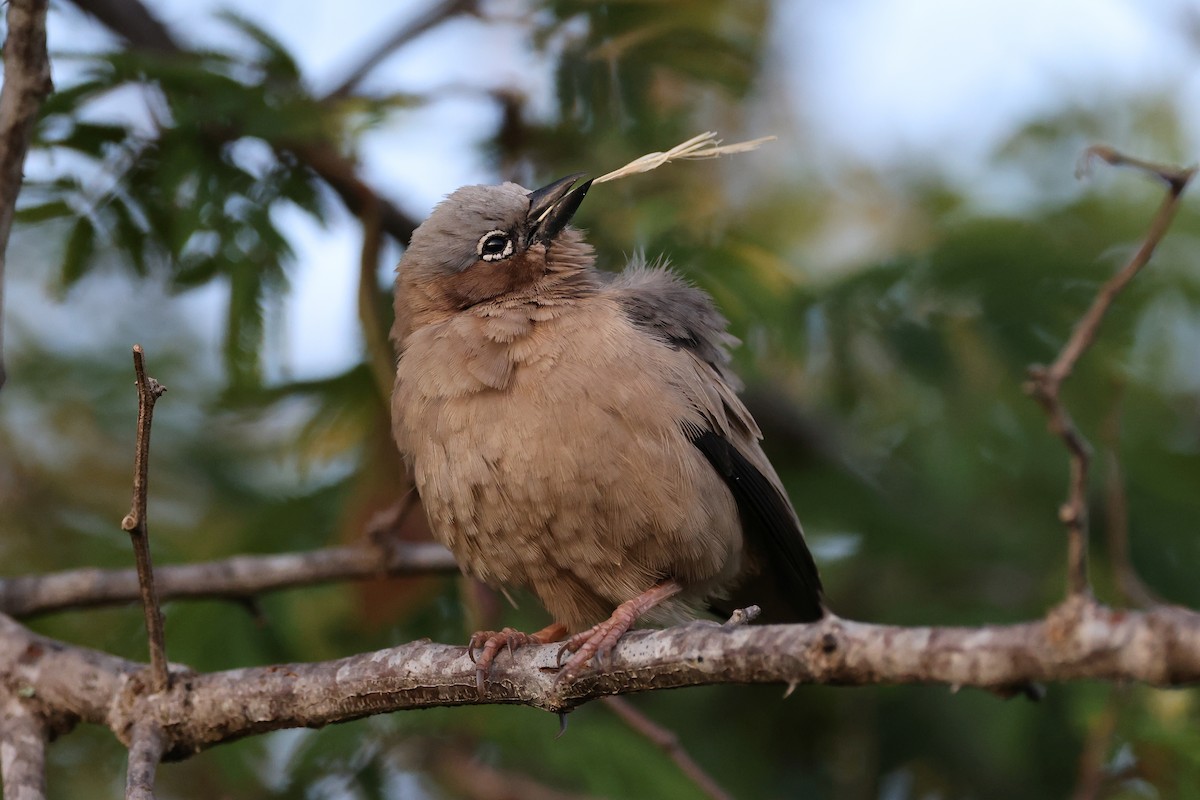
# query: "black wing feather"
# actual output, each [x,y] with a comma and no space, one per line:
[665,306]
[786,567]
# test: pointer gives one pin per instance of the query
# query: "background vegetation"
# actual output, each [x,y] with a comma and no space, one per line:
[888,319]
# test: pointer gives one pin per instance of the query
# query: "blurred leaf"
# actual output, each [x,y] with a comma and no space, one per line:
[77,255]
[243,341]
[276,60]
[43,212]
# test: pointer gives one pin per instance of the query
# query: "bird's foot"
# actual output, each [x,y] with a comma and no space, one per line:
[490,643]
[596,643]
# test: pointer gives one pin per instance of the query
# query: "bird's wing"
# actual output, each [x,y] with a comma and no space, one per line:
[664,305]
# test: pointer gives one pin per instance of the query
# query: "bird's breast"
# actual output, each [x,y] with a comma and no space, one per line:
[552,443]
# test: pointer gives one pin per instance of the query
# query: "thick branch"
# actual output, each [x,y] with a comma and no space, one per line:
[149,390]
[26,84]
[1045,383]
[232,578]
[22,751]
[1079,640]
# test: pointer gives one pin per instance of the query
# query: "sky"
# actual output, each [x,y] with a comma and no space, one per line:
[876,84]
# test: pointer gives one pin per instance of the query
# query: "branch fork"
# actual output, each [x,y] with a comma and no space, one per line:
[1045,382]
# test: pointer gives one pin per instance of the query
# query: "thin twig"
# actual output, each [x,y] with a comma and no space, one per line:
[667,741]
[233,578]
[742,616]
[468,777]
[26,84]
[405,33]
[1045,383]
[149,390]
[146,745]
[1129,583]
[1092,774]
[1175,177]
[22,751]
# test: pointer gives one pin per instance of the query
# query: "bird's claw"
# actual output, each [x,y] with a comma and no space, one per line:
[595,645]
[490,644]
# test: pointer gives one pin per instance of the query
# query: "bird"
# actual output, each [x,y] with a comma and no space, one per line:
[578,432]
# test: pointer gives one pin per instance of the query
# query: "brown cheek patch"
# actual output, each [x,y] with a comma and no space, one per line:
[484,280]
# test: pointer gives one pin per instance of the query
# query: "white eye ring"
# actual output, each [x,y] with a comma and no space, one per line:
[489,241]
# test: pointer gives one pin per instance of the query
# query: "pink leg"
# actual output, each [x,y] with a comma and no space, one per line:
[597,642]
[489,643]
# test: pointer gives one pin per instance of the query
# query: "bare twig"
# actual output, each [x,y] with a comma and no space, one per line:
[1175,177]
[667,741]
[1080,639]
[410,29]
[149,390]
[22,751]
[471,778]
[1045,383]
[1092,776]
[146,744]
[26,84]
[741,616]
[231,578]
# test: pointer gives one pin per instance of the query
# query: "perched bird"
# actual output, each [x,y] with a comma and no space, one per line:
[579,433]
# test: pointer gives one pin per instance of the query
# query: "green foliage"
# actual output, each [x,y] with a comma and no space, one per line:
[889,388]
[191,189]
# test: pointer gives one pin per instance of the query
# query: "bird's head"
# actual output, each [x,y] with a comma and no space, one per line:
[485,242]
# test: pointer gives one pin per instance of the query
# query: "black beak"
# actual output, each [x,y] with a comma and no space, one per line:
[552,206]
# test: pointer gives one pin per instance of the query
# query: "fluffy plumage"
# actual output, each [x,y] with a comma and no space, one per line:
[579,433]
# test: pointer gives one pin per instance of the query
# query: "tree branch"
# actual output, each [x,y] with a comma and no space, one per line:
[1080,639]
[22,751]
[149,390]
[468,777]
[146,743]
[405,33]
[380,356]
[1045,383]
[666,740]
[133,22]
[1099,740]
[1116,516]
[231,578]
[26,84]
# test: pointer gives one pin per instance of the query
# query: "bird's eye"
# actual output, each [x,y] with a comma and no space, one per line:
[495,245]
